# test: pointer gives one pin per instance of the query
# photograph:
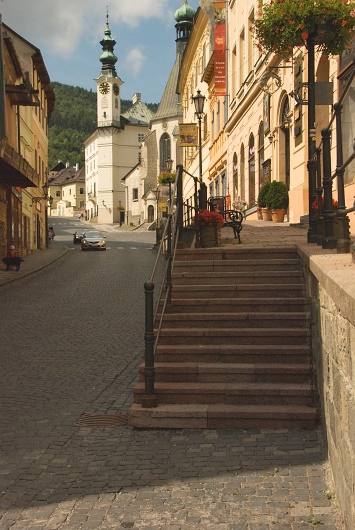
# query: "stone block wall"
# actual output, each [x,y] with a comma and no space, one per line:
[330,280]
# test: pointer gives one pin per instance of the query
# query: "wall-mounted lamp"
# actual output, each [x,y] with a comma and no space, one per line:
[103,203]
[45,196]
[271,137]
[287,123]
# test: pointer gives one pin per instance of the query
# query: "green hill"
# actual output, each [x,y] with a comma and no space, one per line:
[73,121]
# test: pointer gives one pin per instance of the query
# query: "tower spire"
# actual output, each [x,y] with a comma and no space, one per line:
[108,58]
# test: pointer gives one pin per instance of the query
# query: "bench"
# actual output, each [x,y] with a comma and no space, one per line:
[234,219]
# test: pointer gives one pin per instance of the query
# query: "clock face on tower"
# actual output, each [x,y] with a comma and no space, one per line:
[116,89]
[104,87]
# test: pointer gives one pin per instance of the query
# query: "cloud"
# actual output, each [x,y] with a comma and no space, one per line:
[61,26]
[135,60]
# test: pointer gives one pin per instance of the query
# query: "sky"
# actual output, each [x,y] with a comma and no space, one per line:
[68,34]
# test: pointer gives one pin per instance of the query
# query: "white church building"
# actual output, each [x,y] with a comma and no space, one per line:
[114,148]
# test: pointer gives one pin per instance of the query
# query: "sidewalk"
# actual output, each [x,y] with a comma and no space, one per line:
[34,262]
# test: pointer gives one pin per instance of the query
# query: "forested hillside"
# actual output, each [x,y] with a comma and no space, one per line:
[72,122]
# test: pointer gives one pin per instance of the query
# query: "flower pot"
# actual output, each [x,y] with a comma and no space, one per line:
[210,237]
[278,215]
[266,214]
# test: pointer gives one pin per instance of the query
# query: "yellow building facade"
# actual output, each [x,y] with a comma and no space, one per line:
[27,100]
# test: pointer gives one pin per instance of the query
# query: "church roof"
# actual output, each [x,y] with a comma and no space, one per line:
[138,114]
[168,105]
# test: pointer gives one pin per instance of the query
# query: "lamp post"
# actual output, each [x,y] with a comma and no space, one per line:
[311,164]
[157,239]
[199,102]
[169,167]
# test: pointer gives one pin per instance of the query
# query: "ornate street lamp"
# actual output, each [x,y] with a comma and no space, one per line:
[199,102]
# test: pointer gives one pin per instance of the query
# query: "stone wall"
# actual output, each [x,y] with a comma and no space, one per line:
[330,282]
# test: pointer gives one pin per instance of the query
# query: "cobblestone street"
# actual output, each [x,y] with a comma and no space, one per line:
[73,344]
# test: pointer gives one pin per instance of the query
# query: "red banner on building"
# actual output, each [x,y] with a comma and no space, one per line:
[220,82]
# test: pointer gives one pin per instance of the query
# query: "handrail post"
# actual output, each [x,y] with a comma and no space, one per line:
[320,218]
[168,256]
[179,201]
[149,400]
[343,242]
[328,241]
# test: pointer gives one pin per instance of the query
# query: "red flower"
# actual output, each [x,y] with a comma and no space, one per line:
[207,218]
[315,203]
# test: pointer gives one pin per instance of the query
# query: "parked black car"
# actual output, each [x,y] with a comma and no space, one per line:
[78,235]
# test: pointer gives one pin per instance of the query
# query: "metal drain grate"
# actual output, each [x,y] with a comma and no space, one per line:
[103,420]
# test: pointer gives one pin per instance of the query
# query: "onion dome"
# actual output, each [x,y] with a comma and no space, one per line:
[185,13]
[108,58]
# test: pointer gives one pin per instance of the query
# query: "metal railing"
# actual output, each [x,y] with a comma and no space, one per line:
[326,215]
[180,214]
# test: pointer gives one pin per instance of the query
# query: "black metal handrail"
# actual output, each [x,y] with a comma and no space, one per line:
[154,304]
[169,241]
[326,214]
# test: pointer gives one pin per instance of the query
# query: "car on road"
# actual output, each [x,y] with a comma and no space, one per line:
[77,236]
[93,239]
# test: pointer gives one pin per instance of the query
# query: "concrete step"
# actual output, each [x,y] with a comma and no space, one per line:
[247,265]
[233,290]
[248,277]
[233,353]
[236,320]
[223,305]
[230,373]
[223,336]
[218,416]
[229,393]
[239,253]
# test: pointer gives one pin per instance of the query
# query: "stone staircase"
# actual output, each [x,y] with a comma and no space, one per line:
[234,346]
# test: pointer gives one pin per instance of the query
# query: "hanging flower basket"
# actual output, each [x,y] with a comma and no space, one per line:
[165,177]
[285,24]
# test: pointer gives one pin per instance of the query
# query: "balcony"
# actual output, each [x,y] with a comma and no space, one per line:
[15,170]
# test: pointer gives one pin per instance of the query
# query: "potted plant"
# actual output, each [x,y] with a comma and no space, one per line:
[210,224]
[277,200]
[282,25]
[265,212]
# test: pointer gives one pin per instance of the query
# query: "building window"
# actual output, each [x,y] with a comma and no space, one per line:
[165,150]
[135,194]
[57,193]
[140,137]
[251,170]
[81,191]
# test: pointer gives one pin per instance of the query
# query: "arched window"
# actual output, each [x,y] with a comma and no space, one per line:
[251,162]
[242,173]
[261,155]
[235,177]
[165,150]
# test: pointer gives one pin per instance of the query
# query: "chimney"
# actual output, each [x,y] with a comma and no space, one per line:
[136,97]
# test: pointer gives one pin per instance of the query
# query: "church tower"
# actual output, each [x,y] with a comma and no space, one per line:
[184,17]
[108,84]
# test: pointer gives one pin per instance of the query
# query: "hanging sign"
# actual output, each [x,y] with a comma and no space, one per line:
[188,135]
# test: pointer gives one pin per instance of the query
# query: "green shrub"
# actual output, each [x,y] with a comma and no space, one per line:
[262,195]
[277,196]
